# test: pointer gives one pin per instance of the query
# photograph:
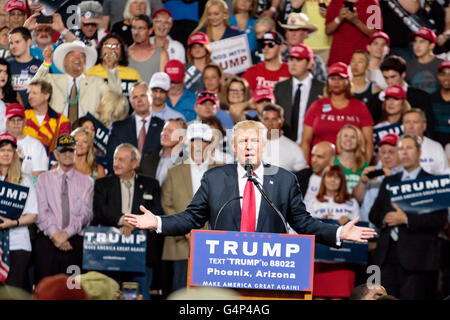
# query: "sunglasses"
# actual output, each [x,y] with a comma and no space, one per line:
[112,45]
[267,44]
[207,94]
[92,25]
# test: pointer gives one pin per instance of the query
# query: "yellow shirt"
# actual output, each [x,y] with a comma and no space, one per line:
[318,40]
[127,75]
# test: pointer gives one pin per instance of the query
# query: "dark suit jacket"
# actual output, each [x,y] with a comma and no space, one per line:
[418,243]
[108,207]
[283,97]
[220,184]
[125,131]
[303,179]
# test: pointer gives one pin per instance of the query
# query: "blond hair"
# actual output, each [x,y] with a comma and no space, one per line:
[90,156]
[250,125]
[360,146]
[115,107]
[203,23]
[15,168]
[126,10]
[253,8]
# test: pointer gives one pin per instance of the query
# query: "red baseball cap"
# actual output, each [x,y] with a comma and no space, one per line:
[16,5]
[444,64]
[389,138]
[301,51]
[14,110]
[205,96]
[339,68]
[175,69]
[380,34]
[427,34]
[262,93]
[159,11]
[8,138]
[395,91]
[198,37]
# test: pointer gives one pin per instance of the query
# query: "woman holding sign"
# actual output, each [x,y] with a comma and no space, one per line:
[19,236]
[333,280]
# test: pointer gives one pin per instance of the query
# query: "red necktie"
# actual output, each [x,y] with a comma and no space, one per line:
[141,138]
[248,212]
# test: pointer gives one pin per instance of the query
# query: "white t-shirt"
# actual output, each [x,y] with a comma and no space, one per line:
[433,158]
[313,189]
[334,210]
[284,153]
[175,50]
[35,156]
[2,117]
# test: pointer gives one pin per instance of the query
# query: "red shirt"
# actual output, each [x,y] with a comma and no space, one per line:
[326,120]
[258,75]
[348,38]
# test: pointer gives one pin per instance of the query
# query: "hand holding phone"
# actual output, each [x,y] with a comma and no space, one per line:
[375,173]
[349,6]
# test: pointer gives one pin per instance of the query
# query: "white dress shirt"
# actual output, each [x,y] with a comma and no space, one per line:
[197,171]
[305,90]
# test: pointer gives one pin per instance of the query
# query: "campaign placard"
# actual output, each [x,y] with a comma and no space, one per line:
[105,249]
[102,134]
[379,133]
[423,195]
[13,198]
[232,54]
[350,252]
[248,260]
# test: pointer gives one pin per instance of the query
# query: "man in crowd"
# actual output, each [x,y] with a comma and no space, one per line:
[23,65]
[44,123]
[159,87]
[280,150]
[298,92]
[433,158]
[407,250]
[89,15]
[422,71]
[35,159]
[377,48]
[141,129]
[16,11]
[440,101]
[122,193]
[75,94]
[272,70]
[65,209]
[207,106]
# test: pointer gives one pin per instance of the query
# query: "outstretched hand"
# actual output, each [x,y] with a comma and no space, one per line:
[145,221]
[351,232]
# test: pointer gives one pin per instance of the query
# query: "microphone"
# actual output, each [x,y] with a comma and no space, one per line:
[249,168]
[223,207]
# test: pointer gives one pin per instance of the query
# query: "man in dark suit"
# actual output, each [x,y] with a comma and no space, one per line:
[221,184]
[124,192]
[141,129]
[297,93]
[407,250]
[394,72]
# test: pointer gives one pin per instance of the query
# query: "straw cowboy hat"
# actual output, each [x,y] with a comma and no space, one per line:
[298,21]
[65,48]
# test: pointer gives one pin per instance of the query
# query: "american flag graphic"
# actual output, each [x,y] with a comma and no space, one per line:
[4,255]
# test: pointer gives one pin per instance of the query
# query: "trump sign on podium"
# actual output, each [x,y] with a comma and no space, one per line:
[243,260]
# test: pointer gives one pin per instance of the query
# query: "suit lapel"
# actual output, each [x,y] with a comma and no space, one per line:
[232,185]
[116,200]
[264,208]
[138,195]
[132,131]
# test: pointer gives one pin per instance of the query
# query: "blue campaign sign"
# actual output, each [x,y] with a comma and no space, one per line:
[422,195]
[13,198]
[102,134]
[249,260]
[350,252]
[379,133]
[105,249]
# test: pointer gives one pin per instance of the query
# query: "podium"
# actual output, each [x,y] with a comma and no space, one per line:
[259,266]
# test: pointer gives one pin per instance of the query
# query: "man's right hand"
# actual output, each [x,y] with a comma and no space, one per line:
[48,53]
[145,221]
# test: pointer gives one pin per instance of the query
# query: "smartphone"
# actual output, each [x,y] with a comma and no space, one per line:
[130,290]
[375,173]
[322,5]
[349,5]
[44,19]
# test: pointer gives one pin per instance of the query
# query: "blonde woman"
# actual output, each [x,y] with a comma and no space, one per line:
[113,106]
[214,21]
[19,236]
[84,154]
[133,8]
[351,154]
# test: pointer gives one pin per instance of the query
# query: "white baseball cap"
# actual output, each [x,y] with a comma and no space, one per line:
[198,130]
[160,80]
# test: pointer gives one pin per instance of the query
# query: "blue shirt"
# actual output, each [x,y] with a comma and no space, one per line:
[168,113]
[225,119]
[410,175]
[249,31]
[36,52]
[185,105]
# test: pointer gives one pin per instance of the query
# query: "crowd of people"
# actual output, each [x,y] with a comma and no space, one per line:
[345,89]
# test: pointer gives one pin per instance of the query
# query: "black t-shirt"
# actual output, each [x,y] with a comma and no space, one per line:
[21,76]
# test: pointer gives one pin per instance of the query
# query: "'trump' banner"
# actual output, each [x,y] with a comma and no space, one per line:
[104,248]
[249,260]
[102,134]
[379,133]
[422,195]
[13,198]
[232,54]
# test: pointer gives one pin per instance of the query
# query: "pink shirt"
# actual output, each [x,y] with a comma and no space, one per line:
[81,192]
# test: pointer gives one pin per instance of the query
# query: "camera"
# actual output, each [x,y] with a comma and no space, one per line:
[349,5]
[130,291]
[44,19]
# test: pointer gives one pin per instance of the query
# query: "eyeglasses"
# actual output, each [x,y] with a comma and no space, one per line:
[112,45]
[269,44]
[239,90]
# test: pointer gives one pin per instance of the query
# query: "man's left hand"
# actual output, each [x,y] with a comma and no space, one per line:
[59,238]
[396,218]
[351,232]
[126,229]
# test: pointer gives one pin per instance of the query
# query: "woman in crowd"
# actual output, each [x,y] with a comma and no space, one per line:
[214,21]
[198,54]
[325,117]
[213,78]
[133,8]
[7,93]
[84,154]
[244,20]
[113,106]
[351,154]
[333,280]
[236,98]
[19,236]
[393,107]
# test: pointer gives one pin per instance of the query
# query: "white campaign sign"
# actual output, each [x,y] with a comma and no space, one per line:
[232,54]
